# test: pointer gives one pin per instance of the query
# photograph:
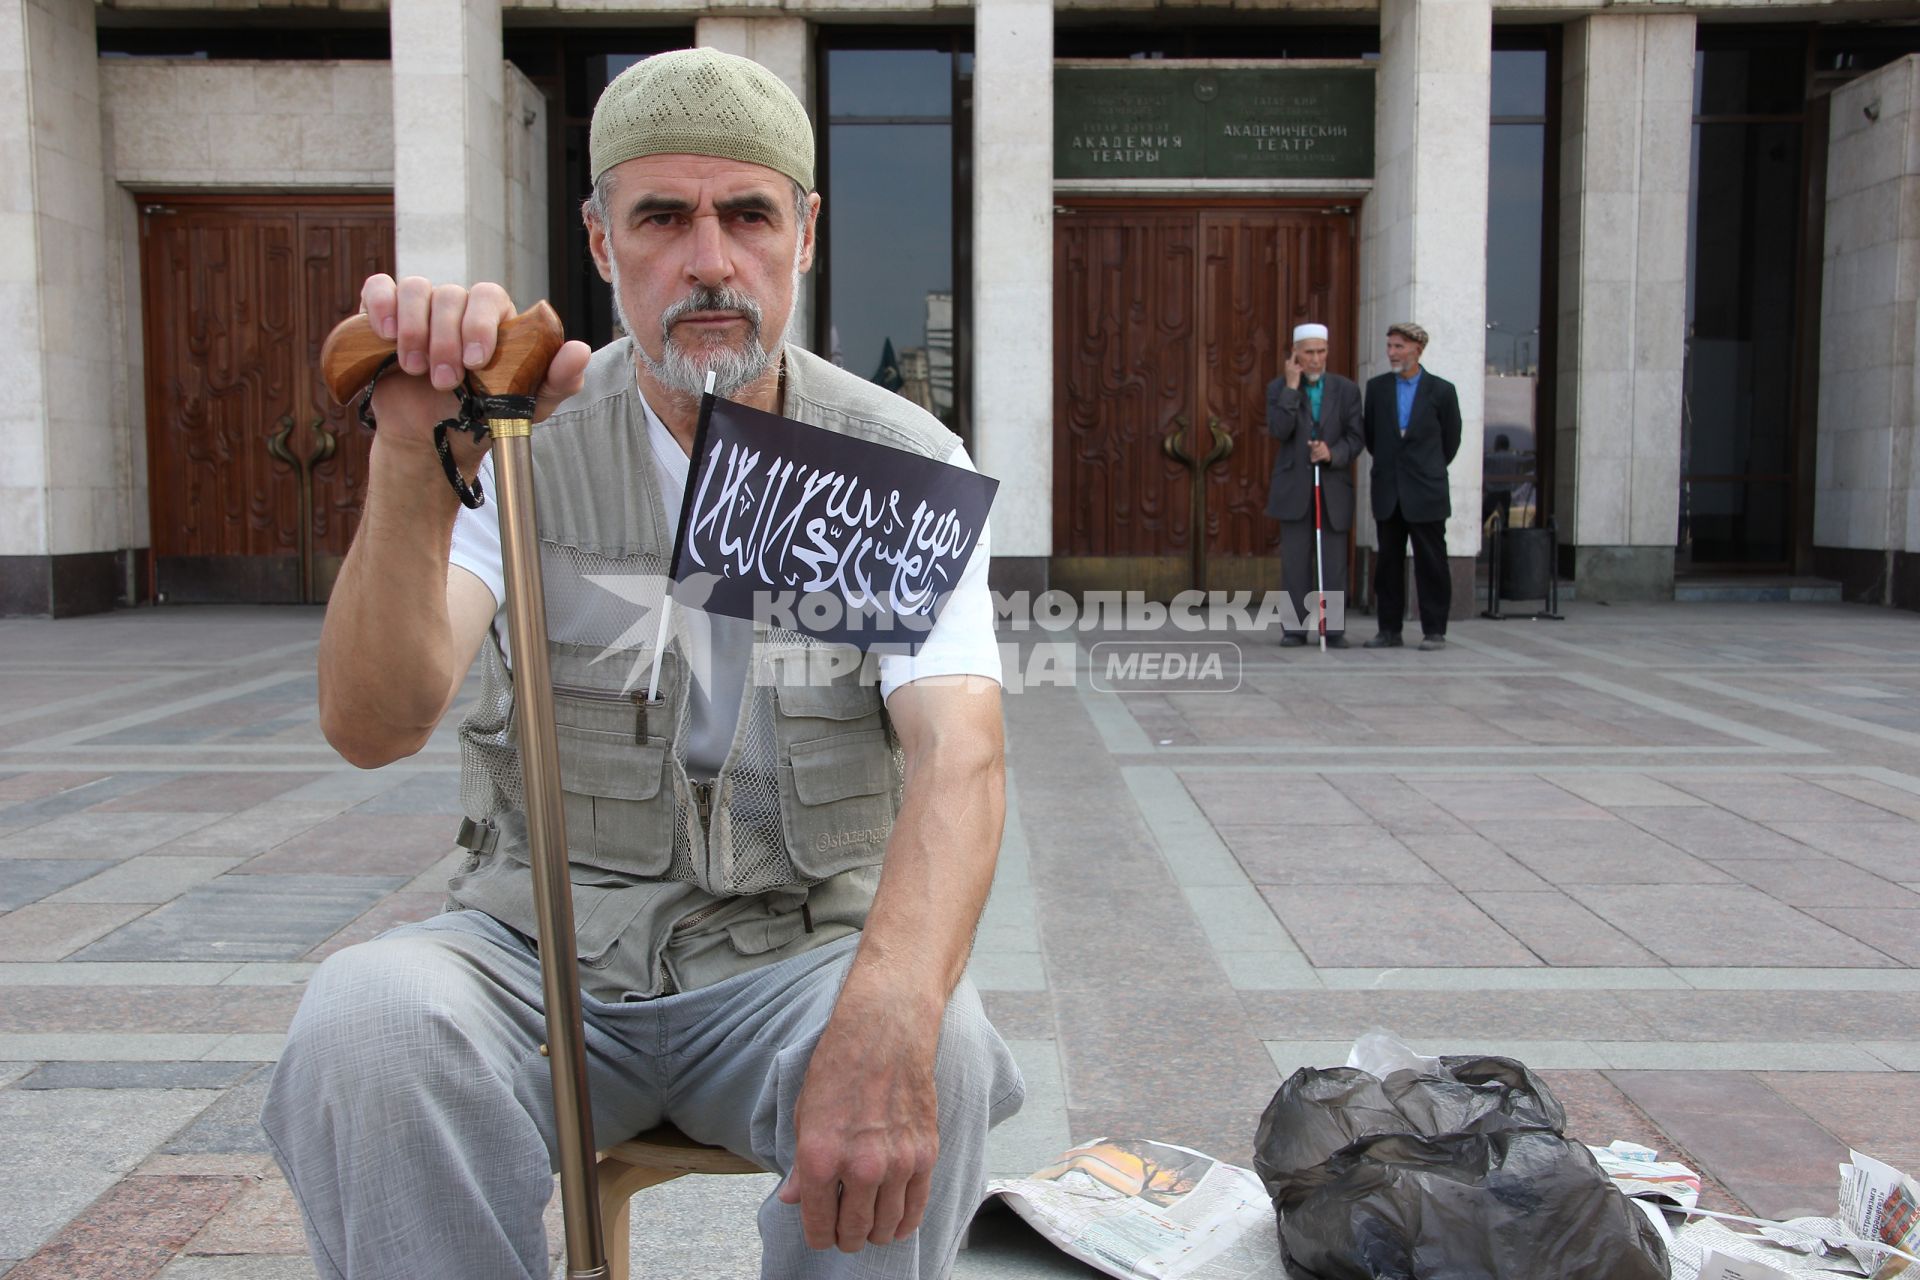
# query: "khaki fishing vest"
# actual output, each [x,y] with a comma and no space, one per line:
[678,883]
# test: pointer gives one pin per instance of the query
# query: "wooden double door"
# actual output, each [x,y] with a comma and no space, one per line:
[255,477]
[1169,322]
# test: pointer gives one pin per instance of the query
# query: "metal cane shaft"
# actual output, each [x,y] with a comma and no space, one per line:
[546,834]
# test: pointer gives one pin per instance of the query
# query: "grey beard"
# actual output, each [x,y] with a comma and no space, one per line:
[685,371]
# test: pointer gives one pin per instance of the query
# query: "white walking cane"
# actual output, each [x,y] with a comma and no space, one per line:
[1319,556]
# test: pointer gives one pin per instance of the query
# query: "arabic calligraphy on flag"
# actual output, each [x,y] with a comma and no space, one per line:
[840,538]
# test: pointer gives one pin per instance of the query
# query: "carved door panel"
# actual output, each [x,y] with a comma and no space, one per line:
[1263,272]
[1169,322]
[1125,344]
[255,478]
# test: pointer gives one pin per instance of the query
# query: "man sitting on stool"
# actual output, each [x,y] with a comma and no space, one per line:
[1315,415]
[1413,431]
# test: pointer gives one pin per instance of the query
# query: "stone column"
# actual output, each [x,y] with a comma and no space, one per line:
[1012,282]
[1625,158]
[1424,227]
[783,46]
[1866,513]
[449,140]
[64,451]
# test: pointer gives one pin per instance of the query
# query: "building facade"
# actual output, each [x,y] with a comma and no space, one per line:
[1669,254]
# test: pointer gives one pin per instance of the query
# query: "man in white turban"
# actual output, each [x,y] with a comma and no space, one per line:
[1315,415]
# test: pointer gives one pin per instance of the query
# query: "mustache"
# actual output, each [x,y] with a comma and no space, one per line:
[708,298]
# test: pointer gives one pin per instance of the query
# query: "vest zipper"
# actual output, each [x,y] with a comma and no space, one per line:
[703,802]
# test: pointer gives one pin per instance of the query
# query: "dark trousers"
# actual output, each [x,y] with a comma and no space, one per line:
[1296,573]
[1431,577]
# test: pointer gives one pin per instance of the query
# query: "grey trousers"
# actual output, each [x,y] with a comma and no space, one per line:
[1297,573]
[412,1112]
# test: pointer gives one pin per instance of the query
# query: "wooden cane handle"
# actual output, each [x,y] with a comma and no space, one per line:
[353,352]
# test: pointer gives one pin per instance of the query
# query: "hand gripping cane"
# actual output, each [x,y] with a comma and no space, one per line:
[1319,560]
[349,361]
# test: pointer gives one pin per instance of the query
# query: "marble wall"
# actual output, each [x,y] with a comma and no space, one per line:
[1423,230]
[1867,469]
[1625,168]
[1012,269]
[449,131]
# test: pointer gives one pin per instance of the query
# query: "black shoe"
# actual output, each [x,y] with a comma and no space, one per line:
[1384,640]
[1430,644]
[1338,642]
[1292,640]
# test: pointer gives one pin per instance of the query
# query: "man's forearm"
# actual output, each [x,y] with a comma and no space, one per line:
[937,875]
[386,647]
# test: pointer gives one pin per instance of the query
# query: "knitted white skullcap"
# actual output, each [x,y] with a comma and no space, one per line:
[702,102]
[1303,331]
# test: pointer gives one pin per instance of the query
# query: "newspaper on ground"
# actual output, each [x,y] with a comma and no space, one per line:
[1876,1203]
[1142,1210]
[1639,1172]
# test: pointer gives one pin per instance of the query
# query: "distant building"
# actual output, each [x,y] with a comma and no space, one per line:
[1676,231]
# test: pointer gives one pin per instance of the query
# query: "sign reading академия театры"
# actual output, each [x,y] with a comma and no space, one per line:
[1156,120]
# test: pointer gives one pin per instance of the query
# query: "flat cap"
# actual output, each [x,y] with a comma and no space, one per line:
[702,102]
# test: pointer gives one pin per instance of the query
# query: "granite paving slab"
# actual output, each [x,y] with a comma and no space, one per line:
[1895,931]
[246,917]
[30,879]
[1467,860]
[230,1126]
[52,931]
[262,1219]
[1890,850]
[1612,790]
[1723,925]
[149,1009]
[65,1147]
[437,794]
[1393,804]
[1712,833]
[362,844]
[1598,1113]
[45,808]
[131,1232]
[1820,882]
[1316,853]
[395,909]
[149,879]
[1583,851]
[1253,800]
[93,834]
[1559,930]
[1477,800]
[138,1075]
[1379,926]
[1490,1015]
[1779,798]
[208,793]
[256,1267]
[15,788]
[1877,1115]
[1760,1147]
[253,832]
[1812,1016]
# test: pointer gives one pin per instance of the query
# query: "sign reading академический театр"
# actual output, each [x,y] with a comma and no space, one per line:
[840,538]
[1151,119]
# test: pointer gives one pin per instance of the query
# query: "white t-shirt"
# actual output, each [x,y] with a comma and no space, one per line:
[960,643]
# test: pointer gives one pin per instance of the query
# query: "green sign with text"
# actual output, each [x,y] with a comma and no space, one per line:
[1172,121]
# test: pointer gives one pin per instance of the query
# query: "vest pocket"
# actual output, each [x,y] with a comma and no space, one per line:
[838,804]
[619,810]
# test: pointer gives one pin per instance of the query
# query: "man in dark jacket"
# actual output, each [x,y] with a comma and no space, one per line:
[1315,415]
[1412,431]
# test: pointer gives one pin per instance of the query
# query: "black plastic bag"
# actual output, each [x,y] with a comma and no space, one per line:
[1459,1174]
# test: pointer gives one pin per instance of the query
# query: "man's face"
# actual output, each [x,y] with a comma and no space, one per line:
[1402,354]
[1311,355]
[705,257]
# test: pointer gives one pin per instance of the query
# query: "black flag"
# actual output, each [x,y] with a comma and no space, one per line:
[840,538]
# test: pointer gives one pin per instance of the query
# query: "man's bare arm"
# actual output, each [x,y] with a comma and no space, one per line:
[401,630]
[867,1130]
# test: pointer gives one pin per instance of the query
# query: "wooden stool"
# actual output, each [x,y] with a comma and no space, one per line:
[656,1156]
